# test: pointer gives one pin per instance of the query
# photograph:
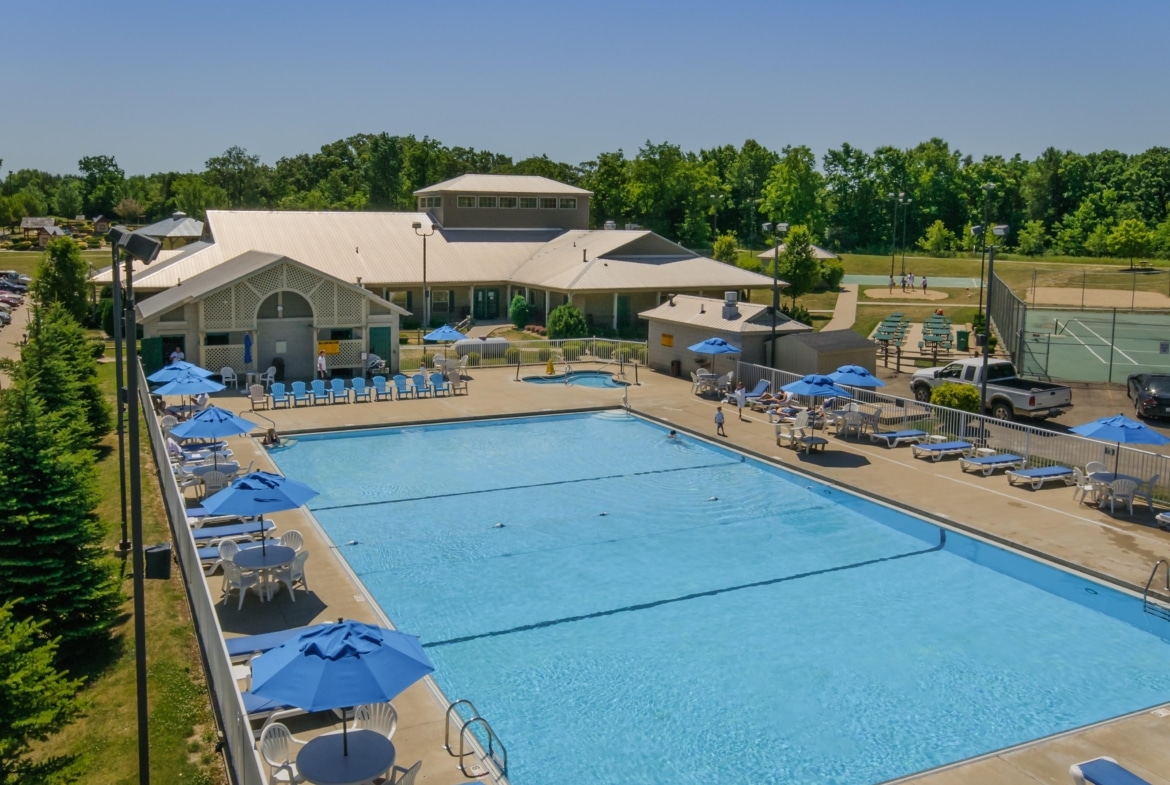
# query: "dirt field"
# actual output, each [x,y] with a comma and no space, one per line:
[1096,298]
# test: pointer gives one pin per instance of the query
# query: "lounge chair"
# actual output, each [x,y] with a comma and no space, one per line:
[257,396]
[894,438]
[938,450]
[760,388]
[787,433]
[439,385]
[381,390]
[1103,771]
[404,389]
[419,382]
[458,382]
[279,396]
[301,394]
[231,530]
[245,646]
[337,390]
[989,463]
[360,391]
[1040,475]
[319,392]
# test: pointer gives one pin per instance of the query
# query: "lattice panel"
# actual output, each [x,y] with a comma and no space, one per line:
[216,357]
[247,301]
[301,280]
[323,305]
[267,281]
[350,353]
[217,311]
[350,307]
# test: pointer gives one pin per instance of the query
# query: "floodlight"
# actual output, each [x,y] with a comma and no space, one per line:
[1000,231]
[977,230]
[141,247]
[416,225]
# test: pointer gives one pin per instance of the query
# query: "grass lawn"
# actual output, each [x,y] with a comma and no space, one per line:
[26,261]
[104,743]
[869,316]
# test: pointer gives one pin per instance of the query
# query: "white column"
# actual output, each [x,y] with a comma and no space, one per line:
[547,302]
[470,302]
[615,310]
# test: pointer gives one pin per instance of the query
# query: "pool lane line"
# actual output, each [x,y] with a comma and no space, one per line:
[686,597]
[523,487]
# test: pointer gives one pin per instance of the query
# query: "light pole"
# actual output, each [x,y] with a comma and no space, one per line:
[426,292]
[778,231]
[715,200]
[999,231]
[115,234]
[905,211]
[987,189]
[144,249]
[751,203]
[894,228]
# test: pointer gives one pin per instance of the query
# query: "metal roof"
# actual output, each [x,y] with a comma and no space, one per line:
[829,340]
[163,259]
[708,312]
[228,273]
[178,225]
[818,253]
[503,183]
[31,222]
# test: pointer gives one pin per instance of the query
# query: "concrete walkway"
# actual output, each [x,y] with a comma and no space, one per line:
[845,314]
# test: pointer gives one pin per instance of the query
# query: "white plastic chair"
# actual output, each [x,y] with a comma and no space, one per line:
[258,396]
[457,382]
[293,574]
[167,422]
[292,539]
[408,775]
[1147,491]
[235,579]
[379,717]
[269,376]
[1122,491]
[214,481]
[276,745]
[228,376]
[1092,467]
[1083,488]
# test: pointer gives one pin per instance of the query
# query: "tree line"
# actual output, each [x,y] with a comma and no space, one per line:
[61,589]
[927,196]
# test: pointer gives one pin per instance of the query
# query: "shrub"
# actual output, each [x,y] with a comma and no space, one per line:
[567,321]
[833,272]
[93,242]
[106,315]
[603,350]
[623,353]
[21,245]
[796,312]
[427,361]
[572,350]
[639,354]
[473,359]
[536,329]
[542,354]
[963,397]
[518,311]
[511,355]
[98,348]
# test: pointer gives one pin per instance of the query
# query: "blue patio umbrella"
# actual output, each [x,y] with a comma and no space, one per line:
[213,423]
[338,666]
[444,333]
[248,350]
[256,495]
[714,346]
[855,376]
[188,384]
[1120,430]
[175,370]
[816,386]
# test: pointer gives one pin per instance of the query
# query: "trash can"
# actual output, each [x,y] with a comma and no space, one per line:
[158,561]
[980,339]
[278,364]
[964,340]
[676,367]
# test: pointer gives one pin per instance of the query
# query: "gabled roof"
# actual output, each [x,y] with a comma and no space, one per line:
[226,274]
[503,183]
[178,225]
[31,222]
[818,253]
[831,340]
[164,259]
[707,312]
[54,231]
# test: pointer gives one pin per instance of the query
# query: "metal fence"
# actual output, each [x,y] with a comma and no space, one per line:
[243,760]
[1041,447]
[1009,317]
[496,353]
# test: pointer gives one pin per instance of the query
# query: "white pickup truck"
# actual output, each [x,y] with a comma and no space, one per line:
[1007,395]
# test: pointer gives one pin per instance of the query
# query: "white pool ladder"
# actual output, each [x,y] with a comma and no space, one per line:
[1148,605]
[495,753]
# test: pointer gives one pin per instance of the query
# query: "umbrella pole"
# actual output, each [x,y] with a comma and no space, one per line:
[344,734]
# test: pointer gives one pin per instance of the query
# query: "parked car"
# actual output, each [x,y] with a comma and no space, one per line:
[1150,393]
[10,299]
[1007,394]
[12,286]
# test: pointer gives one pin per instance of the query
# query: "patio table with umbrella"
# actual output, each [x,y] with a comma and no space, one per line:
[1120,430]
[176,370]
[445,334]
[187,384]
[713,347]
[256,495]
[855,376]
[341,666]
[213,423]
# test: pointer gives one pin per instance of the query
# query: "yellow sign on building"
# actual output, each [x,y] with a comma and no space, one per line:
[667,339]
[329,347]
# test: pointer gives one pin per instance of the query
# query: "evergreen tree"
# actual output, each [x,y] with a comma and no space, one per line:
[518,312]
[61,277]
[50,540]
[567,321]
[36,700]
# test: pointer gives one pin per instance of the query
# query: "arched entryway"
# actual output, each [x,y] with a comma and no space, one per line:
[284,327]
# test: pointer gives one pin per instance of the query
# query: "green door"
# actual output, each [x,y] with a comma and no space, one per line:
[487,304]
[380,342]
[152,354]
[623,311]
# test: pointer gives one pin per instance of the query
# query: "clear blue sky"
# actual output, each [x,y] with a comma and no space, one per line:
[574,79]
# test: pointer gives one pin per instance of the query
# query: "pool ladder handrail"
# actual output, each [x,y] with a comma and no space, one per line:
[1155,608]
[499,759]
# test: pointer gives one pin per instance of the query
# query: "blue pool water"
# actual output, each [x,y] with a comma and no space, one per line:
[661,611]
[581,378]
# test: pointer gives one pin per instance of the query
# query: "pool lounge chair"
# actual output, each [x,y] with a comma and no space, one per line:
[421,388]
[338,390]
[760,388]
[245,646]
[1103,771]
[231,531]
[301,394]
[279,396]
[439,385]
[989,463]
[1038,476]
[938,450]
[360,391]
[894,438]
[404,390]
[319,392]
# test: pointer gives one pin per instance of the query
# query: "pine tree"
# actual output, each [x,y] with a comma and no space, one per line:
[36,700]
[50,539]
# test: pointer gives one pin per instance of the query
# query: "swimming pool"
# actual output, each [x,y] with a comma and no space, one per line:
[657,610]
[581,378]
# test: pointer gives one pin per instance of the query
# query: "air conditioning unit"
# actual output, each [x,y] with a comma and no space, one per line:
[610,226]
[730,297]
[633,227]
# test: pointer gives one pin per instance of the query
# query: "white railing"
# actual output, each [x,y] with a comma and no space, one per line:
[537,352]
[1042,447]
[243,760]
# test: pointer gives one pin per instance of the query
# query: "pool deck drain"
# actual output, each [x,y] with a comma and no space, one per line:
[1119,550]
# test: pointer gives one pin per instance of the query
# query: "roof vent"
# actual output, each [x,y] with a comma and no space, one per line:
[731,297]
[610,226]
[633,227]
[730,305]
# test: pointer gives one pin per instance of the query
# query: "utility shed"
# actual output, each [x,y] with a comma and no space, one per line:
[825,352]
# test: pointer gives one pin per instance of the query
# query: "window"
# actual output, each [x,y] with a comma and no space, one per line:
[439,300]
[487,201]
[177,315]
[216,339]
[427,202]
[527,202]
[341,335]
[548,203]
[507,202]
[466,201]
[568,204]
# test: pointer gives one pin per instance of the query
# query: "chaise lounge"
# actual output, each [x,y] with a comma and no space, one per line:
[936,451]
[1103,771]
[989,463]
[1038,476]
[895,438]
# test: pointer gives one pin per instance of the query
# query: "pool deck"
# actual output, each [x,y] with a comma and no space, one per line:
[1046,522]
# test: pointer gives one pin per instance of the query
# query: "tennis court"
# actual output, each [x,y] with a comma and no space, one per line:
[1095,346]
